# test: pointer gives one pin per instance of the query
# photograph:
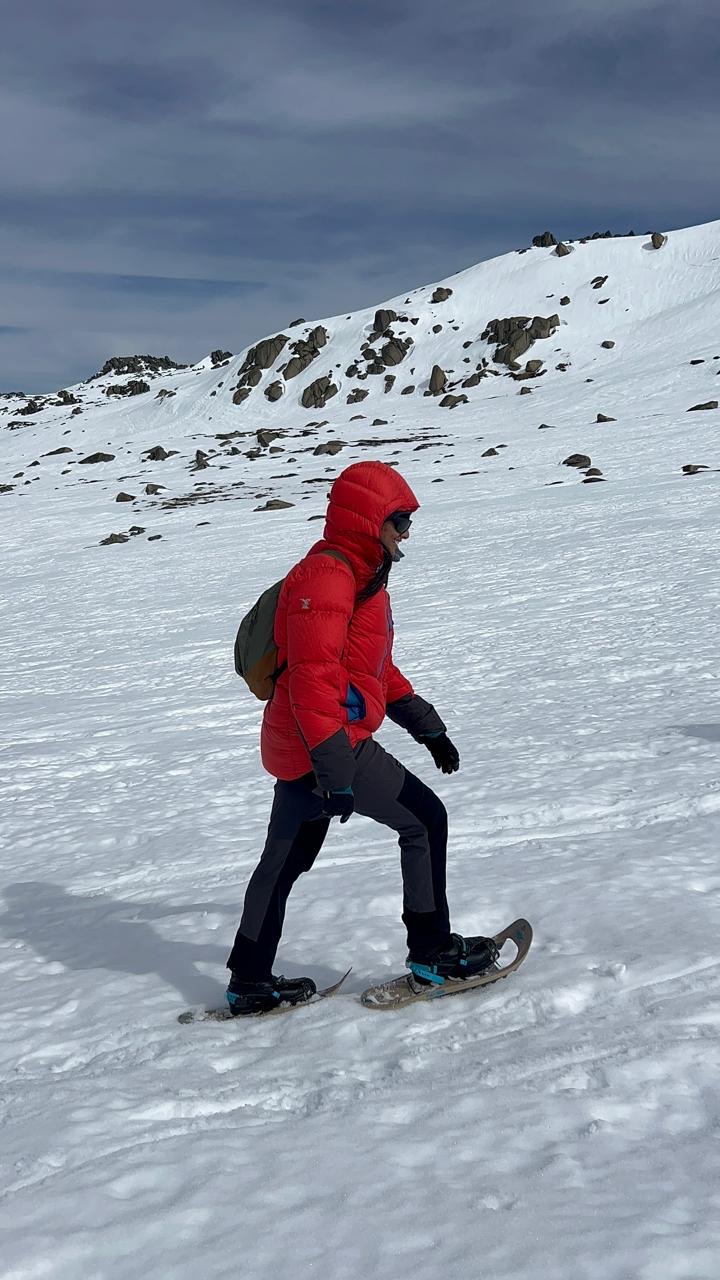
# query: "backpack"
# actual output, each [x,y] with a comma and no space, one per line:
[255,648]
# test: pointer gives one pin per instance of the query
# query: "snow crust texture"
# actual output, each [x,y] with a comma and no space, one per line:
[562,1124]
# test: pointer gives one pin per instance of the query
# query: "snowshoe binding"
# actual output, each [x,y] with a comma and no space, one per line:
[261,997]
[460,958]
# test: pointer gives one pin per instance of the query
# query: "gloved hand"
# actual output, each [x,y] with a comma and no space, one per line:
[338,804]
[443,751]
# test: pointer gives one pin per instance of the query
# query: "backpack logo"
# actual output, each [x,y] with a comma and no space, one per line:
[305,604]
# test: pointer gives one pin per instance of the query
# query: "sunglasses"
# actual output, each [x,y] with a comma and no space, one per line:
[401,520]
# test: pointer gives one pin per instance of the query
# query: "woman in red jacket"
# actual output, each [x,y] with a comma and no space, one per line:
[334,634]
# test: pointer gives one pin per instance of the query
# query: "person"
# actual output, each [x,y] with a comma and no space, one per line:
[336,682]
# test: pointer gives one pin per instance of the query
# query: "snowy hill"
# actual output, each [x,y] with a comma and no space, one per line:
[560,617]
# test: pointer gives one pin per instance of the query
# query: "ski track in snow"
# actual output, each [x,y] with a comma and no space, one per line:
[562,1124]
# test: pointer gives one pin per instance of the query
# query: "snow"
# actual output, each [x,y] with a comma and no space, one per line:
[562,1124]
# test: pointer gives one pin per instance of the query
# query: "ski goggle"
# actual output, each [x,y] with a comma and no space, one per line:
[401,520]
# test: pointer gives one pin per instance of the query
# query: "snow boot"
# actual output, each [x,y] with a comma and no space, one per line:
[459,958]
[260,997]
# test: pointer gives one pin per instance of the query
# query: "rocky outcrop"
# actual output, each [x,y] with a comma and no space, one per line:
[220,357]
[441,294]
[516,334]
[137,364]
[394,352]
[318,393]
[381,323]
[304,351]
[135,387]
[544,241]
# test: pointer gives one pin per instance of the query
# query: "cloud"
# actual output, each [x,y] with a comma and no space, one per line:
[188,178]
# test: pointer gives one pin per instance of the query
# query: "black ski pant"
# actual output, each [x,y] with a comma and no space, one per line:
[384,790]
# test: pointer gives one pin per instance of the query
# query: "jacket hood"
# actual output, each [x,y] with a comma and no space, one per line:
[361,499]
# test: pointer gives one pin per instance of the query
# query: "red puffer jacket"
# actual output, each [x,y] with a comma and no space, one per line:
[340,674]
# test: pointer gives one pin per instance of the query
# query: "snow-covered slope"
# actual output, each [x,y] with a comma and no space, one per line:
[562,1125]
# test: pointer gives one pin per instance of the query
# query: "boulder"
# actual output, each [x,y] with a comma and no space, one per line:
[608,344]
[563,250]
[441,294]
[544,241]
[382,321]
[579,460]
[96,457]
[709,404]
[407,391]
[274,504]
[657,240]
[490,453]
[329,446]
[395,351]
[274,391]
[135,387]
[241,394]
[564,301]
[598,282]
[265,436]
[449,402]
[114,537]
[157,454]
[438,379]
[318,393]
[220,357]
[357,396]
[602,417]
[124,497]
[389,382]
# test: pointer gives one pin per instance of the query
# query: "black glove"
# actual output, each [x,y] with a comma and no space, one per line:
[338,804]
[443,751]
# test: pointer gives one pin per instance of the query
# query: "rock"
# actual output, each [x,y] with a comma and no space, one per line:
[157,454]
[533,367]
[379,422]
[563,250]
[135,387]
[154,537]
[294,323]
[383,320]
[699,361]
[441,294]
[265,353]
[274,504]
[490,453]
[709,404]
[579,460]
[544,241]
[389,382]
[564,301]
[65,397]
[219,357]
[329,446]
[602,417]
[436,328]
[125,497]
[137,364]
[97,457]
[438,379]
[525,391]
[563,367]
[657,240]
[318,393]
[201,461]
[593,471]
[163,394]
[63,449]
[598,282]
[114,537]
[546,426]
[449,402]
[152,489]
[608,344]
[407,391]
[265,436]
[692,468]
[395,351]
[356,396]
[594,480]
[241,394]
[274,391]
[472,380]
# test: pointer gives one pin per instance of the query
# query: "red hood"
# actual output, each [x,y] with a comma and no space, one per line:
[361,499]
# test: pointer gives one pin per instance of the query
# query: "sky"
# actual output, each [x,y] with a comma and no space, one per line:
[177,177]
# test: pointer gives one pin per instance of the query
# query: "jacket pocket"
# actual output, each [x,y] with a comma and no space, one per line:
[354,704]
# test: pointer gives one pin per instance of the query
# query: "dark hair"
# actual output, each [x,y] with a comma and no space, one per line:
[378,580]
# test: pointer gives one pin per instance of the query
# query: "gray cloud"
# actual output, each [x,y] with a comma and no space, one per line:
[175,179]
